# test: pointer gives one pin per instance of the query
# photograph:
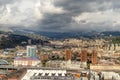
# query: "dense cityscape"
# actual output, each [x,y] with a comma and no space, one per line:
[59,39]
[61,59]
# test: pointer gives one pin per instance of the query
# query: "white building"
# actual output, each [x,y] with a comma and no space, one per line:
[110,76]
[40,74]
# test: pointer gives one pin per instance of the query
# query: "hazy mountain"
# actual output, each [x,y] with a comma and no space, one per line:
[64,35]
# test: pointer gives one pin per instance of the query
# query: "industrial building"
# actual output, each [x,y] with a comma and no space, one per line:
[40,74]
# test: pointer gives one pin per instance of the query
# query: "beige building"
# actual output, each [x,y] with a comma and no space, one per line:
[66,64]
[26,62]
[56,64]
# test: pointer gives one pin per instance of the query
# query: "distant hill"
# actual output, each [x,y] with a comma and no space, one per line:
[12,39]
[112,33]
[46,35]
[91,34]
[30,34]
[65,35]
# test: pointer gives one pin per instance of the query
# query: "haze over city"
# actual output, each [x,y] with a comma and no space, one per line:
[60,15]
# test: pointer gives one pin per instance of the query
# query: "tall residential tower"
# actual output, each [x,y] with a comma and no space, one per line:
[31,51]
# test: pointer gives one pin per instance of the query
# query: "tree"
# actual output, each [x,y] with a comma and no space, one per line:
[88,66]
[44,63]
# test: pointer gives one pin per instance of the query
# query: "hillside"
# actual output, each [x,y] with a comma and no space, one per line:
[10,40]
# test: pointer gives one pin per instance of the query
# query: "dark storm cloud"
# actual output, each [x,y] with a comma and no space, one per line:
[55,21]
[73,8]
[63,21]
[77,15]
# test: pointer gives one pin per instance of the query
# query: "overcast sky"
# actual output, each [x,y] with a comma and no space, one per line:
[60,15]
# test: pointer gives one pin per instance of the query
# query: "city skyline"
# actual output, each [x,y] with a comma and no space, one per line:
[60,15]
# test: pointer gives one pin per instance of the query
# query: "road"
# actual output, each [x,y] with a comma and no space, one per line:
[49,68]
